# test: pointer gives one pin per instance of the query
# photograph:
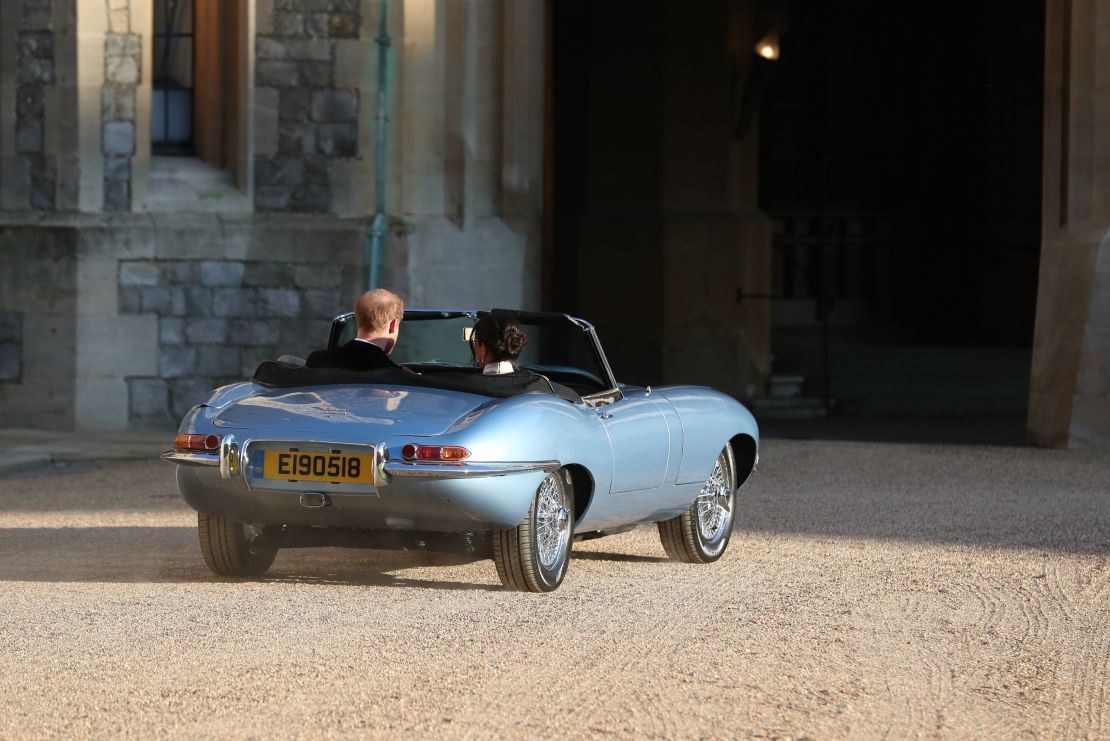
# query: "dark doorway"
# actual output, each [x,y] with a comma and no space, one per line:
[901,151]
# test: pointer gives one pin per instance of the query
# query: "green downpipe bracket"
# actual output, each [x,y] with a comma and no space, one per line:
[379,226]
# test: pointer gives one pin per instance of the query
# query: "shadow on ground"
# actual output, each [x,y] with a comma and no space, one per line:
[580,555]
[171,554]
[978,496]
[52,529]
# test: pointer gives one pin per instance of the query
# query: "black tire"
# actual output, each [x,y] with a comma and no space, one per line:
[228,551]
[685,538]
[519,552]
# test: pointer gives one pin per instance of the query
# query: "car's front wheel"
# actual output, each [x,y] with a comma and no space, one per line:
[701,533]
[533,556]
[230,549]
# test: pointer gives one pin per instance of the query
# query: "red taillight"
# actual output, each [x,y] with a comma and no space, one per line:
[196,442]
[434,452]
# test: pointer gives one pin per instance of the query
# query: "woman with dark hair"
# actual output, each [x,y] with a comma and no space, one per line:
[498,341]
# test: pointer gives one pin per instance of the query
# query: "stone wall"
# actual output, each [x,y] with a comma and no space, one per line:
[134,305]
[126,321]
[37,326]
[218,319]
[35,73]
[11,348]
[317,121]
[122,73]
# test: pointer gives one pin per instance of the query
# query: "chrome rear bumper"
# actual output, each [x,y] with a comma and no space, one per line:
[232,461]
[191,459]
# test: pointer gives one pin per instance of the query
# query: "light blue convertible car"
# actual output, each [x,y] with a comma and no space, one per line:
[438,456]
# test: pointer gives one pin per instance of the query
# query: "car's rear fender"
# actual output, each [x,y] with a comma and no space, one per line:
[535,427]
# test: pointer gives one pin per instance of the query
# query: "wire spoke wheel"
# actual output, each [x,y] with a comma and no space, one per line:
[533,556]
[552,532]
[714,505]
[701,533]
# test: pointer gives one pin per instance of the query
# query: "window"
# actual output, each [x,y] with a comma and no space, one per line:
[172,95]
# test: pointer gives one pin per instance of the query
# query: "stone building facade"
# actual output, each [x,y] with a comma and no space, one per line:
[131,283]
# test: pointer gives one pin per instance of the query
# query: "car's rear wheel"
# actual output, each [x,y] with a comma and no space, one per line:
[701,533]
[231,549]
[533,556]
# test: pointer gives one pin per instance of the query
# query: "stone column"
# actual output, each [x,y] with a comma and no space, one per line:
[12,166]
[520,189]
[466,169]
[93,24]
[1069,401]
[30,107]
[122,75]
[109,344]
[716,242]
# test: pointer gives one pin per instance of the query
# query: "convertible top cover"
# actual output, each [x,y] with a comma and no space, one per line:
[276,374]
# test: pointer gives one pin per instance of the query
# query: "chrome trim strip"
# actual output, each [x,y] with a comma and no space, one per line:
[466,470]
[613,385]
[191,459]
[381,458]
[230,462]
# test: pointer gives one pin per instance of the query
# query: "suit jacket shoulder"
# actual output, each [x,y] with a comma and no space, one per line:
[355,355]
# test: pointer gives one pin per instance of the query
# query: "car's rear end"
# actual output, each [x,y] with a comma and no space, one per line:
[350,456]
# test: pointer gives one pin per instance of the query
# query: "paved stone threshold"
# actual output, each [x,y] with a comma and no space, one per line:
[24,449]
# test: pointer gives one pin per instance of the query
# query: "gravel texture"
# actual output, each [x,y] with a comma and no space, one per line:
[870,591]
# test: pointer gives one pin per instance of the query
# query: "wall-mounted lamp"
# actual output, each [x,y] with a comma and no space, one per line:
[764,56]
[768,47]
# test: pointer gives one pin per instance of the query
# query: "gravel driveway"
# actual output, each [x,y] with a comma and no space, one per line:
[870,590]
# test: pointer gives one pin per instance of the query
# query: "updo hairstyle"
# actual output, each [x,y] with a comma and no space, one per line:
[501,335]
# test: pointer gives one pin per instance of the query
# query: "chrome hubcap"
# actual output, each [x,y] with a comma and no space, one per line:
[552,524]
[715,504]
[722,499]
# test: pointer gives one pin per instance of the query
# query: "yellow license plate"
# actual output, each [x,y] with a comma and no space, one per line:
[336,468]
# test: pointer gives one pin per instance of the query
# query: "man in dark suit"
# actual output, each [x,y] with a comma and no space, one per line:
[378,317]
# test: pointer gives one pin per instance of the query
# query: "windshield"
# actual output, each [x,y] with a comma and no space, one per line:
[558,348]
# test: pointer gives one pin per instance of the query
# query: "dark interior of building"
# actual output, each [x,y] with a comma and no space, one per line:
[924,120]
[900,157]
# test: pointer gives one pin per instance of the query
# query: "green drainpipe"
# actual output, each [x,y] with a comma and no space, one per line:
[375,238]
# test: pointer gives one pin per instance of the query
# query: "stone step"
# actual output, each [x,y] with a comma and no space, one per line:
[915,380]
[799,407]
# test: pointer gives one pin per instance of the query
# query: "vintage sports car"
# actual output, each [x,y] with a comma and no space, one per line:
[438,456]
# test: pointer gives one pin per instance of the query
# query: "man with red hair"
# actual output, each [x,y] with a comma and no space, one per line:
[378,315]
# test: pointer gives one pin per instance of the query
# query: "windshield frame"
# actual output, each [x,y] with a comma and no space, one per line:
[606,396]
